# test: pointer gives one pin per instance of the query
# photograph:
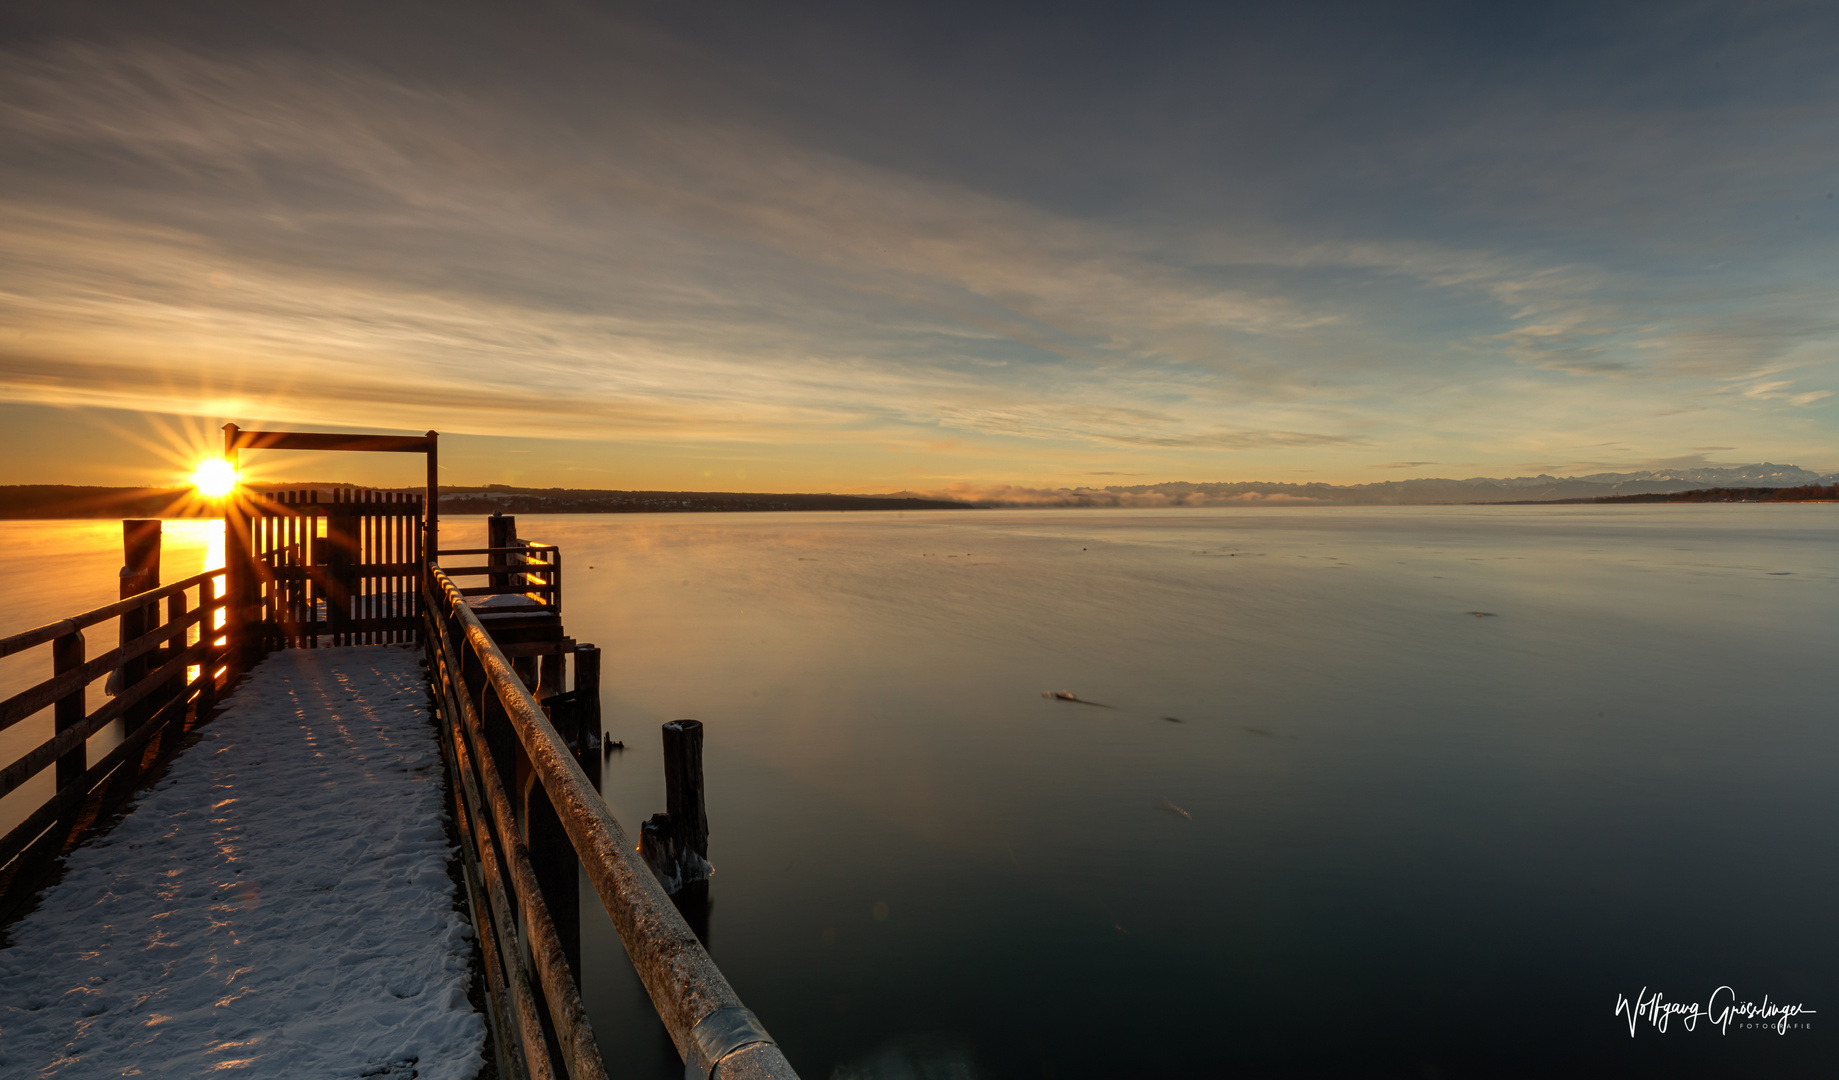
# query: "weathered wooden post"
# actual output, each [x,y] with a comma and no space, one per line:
[500,532]
[549,679]
[67,653]
[175,686]
[587,692]
[683,792]
[207,634]
[525,666]
[675,844]
[341,565]
[583,712]
[658,847]
[431,508]
[236,562]
[140,571]
[557,870]
[500,738]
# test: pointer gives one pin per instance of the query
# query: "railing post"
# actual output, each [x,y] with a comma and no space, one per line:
[500,532]
[207,635]
[553,598]
[67,652]
[236,555]
[549,679]
[558,874]
[431,511]
[526,668]
[175,614]
[140,571]
[500,737]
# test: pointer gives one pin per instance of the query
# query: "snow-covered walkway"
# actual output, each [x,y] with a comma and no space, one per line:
[278,905]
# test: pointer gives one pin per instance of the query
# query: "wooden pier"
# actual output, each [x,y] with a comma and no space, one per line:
[364,568]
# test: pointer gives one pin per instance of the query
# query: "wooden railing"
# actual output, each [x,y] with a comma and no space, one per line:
[525,844]
[171,671]
[523,570]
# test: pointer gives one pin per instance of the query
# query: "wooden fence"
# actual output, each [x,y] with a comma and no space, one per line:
[347,570]
[173,661]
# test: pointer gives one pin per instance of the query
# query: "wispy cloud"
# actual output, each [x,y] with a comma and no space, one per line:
[644,243]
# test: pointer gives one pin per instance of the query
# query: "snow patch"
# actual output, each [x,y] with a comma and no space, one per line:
[279,903]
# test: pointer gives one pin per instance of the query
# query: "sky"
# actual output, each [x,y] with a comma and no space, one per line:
[926,247]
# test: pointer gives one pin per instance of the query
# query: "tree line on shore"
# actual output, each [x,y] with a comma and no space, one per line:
[48,501]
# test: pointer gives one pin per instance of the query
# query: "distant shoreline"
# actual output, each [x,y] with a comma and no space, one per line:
[40,502]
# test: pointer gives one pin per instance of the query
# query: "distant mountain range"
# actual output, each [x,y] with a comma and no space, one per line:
[67,501]
[1479,489]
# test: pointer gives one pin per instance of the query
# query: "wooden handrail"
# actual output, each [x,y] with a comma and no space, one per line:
[26,639]
[34,698]
[205,653]
[520,549]
[28,765]
[685,986]
[575,1036]
[509,590]
[481,571]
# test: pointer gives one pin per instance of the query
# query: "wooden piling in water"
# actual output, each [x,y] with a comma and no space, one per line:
[587,691]
[683,788]
[675,844]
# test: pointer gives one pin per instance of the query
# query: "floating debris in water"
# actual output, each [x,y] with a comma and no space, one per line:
[1174,719]
[1068,695]
[611,745]
[1173,809]
[1480,614]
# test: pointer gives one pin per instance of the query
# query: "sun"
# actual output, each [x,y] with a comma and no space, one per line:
[214,478]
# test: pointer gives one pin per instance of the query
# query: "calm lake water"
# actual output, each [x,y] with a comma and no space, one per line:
[1324,819]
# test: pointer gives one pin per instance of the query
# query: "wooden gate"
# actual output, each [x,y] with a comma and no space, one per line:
[348,570]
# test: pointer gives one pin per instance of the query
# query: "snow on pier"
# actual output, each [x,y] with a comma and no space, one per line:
[278,905]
